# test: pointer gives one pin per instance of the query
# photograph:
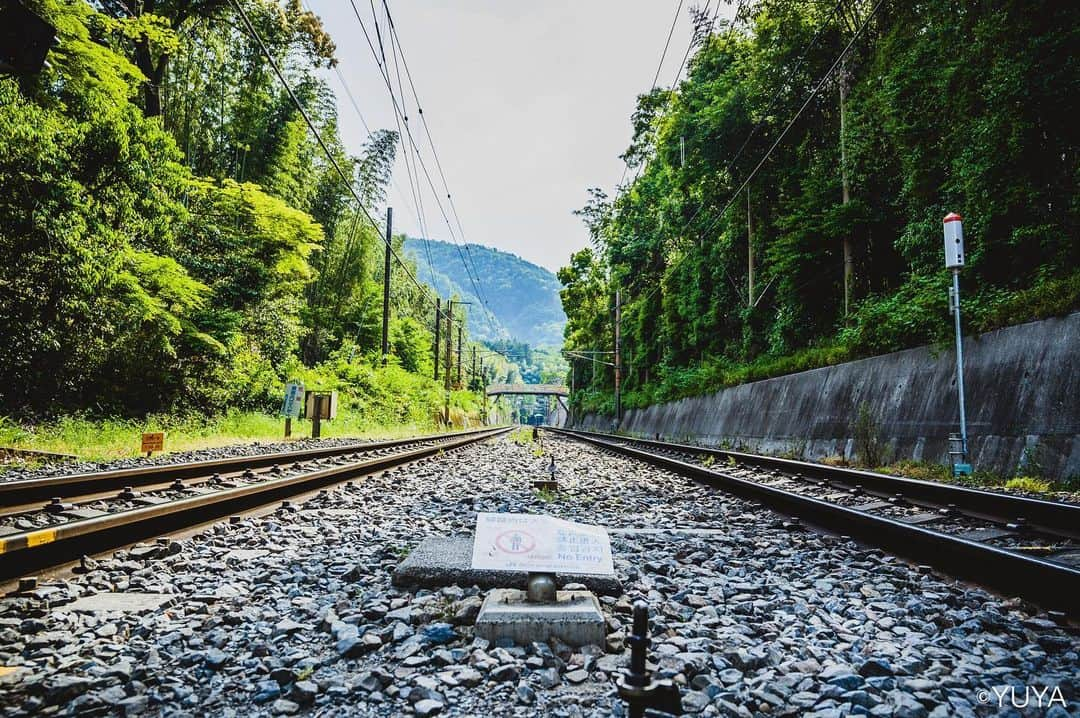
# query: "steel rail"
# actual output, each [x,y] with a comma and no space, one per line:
[1052,584]
[17,493]
[1051,517]
[29,551]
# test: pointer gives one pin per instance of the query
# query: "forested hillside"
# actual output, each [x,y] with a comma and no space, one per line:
[523,297]
[783,206]
[171,235]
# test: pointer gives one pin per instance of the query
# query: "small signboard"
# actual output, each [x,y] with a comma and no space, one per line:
[524,542]
[294,400]
[153,441]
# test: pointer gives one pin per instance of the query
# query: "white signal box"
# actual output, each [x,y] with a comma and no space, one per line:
[954,241]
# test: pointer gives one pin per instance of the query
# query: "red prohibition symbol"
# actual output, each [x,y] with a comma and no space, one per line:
[515,541]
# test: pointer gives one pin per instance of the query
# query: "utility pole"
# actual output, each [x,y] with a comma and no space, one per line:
[438,328]
[483,388]
[618,357]
[473,374]
[386,290]
[749,253]
[849,261]
[570,399]
[449,348]
[460,329]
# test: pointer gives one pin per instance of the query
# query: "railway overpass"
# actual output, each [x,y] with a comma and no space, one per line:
[557,417]
[528,390]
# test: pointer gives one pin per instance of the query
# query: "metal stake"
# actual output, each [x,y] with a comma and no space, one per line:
[959,360]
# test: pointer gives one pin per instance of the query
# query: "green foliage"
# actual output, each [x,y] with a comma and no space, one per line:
[183,252]
[949,107]
[1028,484]
[866,432]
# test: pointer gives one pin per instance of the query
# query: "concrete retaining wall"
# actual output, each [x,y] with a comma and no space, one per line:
[1023,399]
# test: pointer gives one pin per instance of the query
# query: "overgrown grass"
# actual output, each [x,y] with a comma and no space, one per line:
[1029,484]
[522,437]
[927,471]
[106,439]
[546,495]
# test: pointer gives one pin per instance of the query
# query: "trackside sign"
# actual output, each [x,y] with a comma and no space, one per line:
[524,542]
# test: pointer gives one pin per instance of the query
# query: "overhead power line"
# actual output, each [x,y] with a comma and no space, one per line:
[322,143]
[817,88]
[772,103]
[399,111]
[396,41]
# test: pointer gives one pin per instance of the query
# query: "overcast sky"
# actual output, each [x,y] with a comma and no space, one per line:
[529,104]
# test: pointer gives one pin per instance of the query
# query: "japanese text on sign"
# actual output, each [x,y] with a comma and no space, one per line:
[153,441]
[523,542]
[294,399]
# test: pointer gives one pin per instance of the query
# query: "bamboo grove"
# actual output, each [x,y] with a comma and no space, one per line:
[172,237]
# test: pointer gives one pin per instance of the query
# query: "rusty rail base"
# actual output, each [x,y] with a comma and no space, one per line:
[1048,583]
[1052,517]
[17,493]
[24,553]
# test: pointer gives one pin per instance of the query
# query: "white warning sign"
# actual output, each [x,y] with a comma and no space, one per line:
[524,542]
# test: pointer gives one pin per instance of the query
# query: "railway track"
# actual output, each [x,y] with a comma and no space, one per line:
[1022,546]
[95,512]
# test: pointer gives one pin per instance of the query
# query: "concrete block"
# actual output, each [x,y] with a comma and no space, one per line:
[120,602]
[447,560]
[574,618]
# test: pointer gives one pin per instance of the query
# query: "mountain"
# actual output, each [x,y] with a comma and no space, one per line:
[523,298]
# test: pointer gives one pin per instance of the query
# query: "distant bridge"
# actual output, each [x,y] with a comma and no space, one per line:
[528,390]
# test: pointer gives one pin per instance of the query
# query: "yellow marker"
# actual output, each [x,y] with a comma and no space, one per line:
[36,538]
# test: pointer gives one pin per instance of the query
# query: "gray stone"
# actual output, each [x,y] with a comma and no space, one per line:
[525,694]
[120,602]
[304,692]
[548,677]
[577,676]
[466,610]
[285,707]
[875,667]
[695,702]
[215,659]
[428,707]
[469,677]
[846,681]
[505,672]
[447,560]
[62,688]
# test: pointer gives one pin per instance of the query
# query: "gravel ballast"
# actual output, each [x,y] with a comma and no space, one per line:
[294,613]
